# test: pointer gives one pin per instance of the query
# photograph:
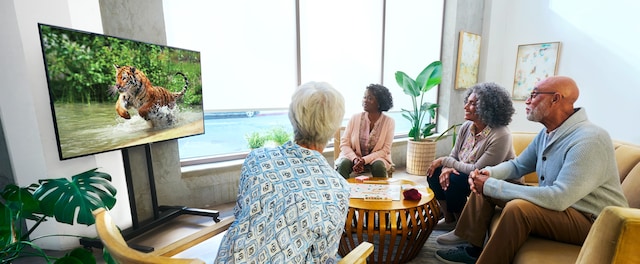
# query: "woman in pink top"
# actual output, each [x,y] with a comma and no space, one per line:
[366,144]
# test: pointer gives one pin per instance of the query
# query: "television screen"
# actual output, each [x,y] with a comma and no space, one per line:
[109,93]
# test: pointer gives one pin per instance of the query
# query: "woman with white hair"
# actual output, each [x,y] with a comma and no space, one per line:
[292,204]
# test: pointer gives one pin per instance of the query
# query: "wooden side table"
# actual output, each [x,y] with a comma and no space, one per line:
[397,229]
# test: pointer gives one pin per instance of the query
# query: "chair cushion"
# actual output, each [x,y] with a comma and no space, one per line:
[539,250]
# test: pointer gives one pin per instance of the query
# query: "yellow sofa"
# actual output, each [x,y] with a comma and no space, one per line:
[615,235]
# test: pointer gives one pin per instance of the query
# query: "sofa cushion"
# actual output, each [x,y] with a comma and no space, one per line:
[627,157]
[539,250]
[630,187]
[628,160]
[520,141]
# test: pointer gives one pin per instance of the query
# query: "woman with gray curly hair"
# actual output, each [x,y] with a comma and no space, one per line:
[484,140]
[295,175]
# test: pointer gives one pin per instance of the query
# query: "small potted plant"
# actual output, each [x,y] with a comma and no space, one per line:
[255,140]
[276,136]
[279,135]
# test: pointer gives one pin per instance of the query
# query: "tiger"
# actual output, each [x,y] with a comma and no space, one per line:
[136,91]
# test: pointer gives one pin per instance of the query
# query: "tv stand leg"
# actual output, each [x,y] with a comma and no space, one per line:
[181,210]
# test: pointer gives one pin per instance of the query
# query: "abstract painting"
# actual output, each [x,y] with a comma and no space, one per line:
[534,63]
[468,60]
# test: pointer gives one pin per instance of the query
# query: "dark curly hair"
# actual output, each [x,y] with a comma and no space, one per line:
[383,96]
[494,105]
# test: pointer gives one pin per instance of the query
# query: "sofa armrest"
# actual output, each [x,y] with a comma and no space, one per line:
[613,238]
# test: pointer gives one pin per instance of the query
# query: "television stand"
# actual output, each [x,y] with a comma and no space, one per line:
[161,213]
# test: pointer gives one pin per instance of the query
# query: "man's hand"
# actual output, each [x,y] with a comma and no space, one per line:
[444,177]
[477,179]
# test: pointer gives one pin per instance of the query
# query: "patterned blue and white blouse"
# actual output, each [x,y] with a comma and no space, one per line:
[291,208]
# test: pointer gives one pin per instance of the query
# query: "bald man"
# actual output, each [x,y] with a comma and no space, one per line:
[577,177]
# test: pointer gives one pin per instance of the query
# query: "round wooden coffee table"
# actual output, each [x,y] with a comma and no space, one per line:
[397,229]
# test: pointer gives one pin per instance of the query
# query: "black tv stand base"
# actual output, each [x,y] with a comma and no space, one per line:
[167,213]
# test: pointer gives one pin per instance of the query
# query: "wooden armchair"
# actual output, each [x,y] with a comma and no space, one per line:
[358,255]
[116,245]
[119,249]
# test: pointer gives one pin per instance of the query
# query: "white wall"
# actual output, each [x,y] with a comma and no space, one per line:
[25,109]
[599,50]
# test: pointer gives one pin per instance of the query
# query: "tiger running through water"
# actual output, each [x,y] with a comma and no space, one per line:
[154,103]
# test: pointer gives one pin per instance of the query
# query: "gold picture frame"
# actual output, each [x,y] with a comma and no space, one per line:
[534,62]
[468,60]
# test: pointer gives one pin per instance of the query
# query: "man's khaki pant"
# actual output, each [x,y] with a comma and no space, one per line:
[518,220]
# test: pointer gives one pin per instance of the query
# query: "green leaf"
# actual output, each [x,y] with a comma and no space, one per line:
[21,200]
[107,257]
[6,224]
[85,192]
[430,76]
[19,204]
[409,86]
[427,130]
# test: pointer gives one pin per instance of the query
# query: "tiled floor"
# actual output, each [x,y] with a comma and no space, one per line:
[187,224]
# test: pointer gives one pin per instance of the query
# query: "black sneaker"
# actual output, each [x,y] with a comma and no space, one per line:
[455,255]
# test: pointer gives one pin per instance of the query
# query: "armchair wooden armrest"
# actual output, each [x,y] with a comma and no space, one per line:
[358,255]
[118,248]
[113,241]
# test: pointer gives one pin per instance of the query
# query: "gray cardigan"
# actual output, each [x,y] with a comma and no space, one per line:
[576,169]
[496,148]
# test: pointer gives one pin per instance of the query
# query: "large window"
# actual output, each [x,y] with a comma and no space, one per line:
[256,52]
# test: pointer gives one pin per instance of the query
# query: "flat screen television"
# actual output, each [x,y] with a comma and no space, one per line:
[109,93]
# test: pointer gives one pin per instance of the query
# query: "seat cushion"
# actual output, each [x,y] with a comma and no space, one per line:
[627,157]
[538,250]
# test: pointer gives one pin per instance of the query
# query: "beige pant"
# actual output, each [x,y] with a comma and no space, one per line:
[518,220]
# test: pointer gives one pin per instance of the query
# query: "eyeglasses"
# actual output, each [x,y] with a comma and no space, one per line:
[533,95]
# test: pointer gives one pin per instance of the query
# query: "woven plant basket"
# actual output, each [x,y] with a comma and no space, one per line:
[420,154]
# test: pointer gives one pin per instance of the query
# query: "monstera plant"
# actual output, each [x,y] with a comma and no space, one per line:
[63,199]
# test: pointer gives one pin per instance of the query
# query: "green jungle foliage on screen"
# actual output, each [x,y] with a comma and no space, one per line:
[80,65]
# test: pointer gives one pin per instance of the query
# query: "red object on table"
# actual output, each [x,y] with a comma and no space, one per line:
[412,194]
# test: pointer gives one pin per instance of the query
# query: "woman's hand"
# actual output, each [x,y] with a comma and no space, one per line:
[358,165]
[434,165]
[444,177]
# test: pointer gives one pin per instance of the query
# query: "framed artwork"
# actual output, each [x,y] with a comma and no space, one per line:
[468,60]
[534,63]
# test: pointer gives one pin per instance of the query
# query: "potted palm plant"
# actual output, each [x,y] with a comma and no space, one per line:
[420,150]
[62,199]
